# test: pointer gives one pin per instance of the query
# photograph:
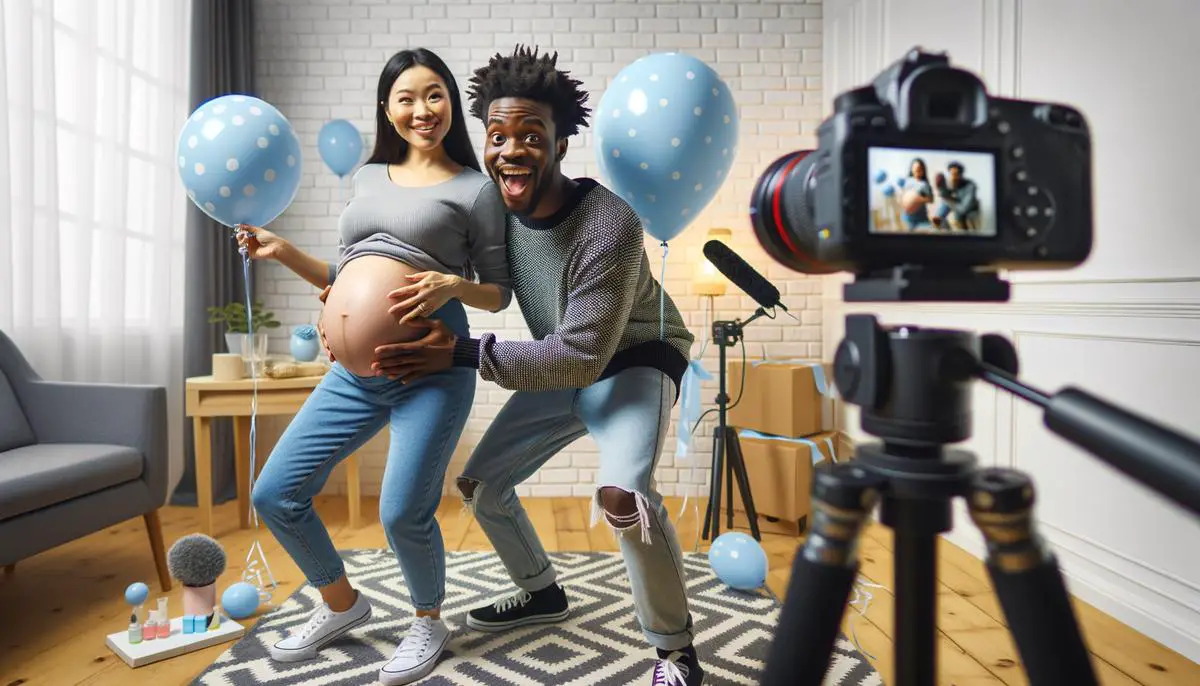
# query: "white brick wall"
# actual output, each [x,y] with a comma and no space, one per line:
[320,60]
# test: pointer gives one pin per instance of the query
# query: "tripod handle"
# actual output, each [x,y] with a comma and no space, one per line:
[1160,458]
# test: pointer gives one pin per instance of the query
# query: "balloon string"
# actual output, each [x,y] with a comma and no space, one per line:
[256,554]
[662,295]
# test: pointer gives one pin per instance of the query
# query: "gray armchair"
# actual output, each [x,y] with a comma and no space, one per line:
[76,458]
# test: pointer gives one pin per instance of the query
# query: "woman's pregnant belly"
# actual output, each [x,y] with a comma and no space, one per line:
[355,316]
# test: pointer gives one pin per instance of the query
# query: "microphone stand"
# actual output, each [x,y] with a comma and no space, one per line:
[727,450]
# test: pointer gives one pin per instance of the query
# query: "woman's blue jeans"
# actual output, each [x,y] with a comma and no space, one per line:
[345,411]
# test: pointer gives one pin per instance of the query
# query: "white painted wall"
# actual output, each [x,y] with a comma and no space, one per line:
[1125,325]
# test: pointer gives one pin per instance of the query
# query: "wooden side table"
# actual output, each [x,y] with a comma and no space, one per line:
[207,399]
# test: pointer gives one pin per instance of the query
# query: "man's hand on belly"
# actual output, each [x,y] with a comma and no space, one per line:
[409,361]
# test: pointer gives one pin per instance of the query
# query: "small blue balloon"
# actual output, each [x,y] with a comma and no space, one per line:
[738,560]
[136,593]
[239,160]
[340,145]
[888,191]
[881,177]
[240,600]
[900,182]
[667,132]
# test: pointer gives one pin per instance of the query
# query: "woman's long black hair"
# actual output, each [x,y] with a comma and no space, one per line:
[390,147]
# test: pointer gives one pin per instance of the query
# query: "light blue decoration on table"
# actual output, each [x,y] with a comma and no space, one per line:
[739,561]
[240,600]
[136,593]
[340,145]
[305,343]
[239,160]
[666,136]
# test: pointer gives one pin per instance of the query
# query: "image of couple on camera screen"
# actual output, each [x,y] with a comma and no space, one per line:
[927,191]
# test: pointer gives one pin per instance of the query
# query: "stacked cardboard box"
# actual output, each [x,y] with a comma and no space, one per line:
[786,424]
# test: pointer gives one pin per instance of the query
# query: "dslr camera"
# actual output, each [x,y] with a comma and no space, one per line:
[925,187]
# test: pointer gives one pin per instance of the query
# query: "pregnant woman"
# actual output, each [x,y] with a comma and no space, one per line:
[422,221]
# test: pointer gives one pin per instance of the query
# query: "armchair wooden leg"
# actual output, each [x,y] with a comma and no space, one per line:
[154,531]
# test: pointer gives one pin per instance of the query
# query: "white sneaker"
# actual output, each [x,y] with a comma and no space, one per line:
[322,628]
[417,654]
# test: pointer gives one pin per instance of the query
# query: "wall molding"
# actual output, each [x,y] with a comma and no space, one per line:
[1132,310]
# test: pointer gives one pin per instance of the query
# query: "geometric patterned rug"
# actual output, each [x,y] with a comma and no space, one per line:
[600,643]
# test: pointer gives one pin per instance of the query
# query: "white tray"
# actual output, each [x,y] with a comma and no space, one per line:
[178,643]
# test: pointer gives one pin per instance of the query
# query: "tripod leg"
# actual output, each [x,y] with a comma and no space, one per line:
[733,454]
[1025,574]
[712,524]
[915,523]
[708,509]
[823,574]
[728,483]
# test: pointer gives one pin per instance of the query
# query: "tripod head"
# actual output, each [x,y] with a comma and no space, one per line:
[727,333]
[914,387]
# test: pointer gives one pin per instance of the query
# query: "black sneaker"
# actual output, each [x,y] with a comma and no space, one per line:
[546,606]
[678,668]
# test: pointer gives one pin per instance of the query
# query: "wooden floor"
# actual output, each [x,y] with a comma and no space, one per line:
[58,606]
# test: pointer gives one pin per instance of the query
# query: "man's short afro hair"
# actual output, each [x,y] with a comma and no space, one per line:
[525,74]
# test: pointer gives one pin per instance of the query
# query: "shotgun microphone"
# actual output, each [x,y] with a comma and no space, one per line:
[742,275]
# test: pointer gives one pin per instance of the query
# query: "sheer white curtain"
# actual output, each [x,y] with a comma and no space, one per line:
[92,213]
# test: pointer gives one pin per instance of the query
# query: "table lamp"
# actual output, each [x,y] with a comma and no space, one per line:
[707,280]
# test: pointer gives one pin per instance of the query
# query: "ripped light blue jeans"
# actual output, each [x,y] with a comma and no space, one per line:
[344,412]
[627,415]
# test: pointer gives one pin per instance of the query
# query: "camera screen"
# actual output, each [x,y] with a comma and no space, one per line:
[925,191]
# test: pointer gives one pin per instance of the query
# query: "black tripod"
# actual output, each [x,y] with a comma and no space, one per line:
[914,388]
[727,450]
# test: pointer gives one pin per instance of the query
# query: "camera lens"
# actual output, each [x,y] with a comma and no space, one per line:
[781,212]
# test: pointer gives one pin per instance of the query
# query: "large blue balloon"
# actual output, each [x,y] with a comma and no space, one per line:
[666,131]
[340,145]
[239,160]
[738,560]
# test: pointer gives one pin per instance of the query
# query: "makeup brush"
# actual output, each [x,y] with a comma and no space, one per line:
[196,561]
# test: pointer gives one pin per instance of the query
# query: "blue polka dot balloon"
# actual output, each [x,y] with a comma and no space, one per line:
[666,135]
[239,160]
[739,560]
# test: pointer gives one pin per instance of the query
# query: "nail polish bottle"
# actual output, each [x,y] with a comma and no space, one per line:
[149,631]
[164,626]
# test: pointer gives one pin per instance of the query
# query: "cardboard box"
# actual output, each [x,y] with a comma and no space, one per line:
[780,472]
[791,399]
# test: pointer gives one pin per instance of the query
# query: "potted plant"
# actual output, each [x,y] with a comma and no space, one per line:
[237,333]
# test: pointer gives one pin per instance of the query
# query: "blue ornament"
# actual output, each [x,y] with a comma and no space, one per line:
[136,593]
[239,160]
[305,344]
[340,145]
[666,136]
[240,600]
[738,560]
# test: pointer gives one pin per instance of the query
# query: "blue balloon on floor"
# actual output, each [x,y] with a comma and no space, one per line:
[738,560]
[239,160]
[240,600]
